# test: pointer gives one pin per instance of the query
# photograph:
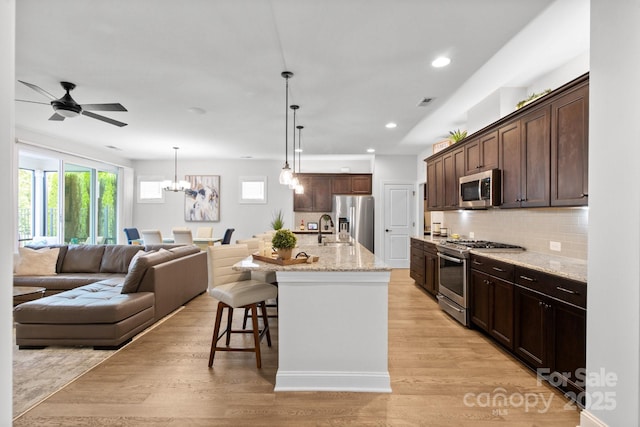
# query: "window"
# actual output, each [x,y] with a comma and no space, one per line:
[26,189]
[253,189]
[150,189]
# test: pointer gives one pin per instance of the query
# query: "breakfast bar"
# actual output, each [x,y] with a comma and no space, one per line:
[332,318]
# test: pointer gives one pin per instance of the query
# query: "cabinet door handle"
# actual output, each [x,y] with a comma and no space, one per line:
[477,263]
[498,269]
[569,291]
[528,278]
[584,195]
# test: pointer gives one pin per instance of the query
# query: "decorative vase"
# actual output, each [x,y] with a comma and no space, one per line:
[285,253]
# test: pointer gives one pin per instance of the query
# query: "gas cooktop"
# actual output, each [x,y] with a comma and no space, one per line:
[464,246]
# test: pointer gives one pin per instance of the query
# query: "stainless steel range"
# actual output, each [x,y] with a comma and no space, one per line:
[453,269]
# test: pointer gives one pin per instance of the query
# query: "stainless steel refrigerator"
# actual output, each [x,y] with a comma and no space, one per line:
[356,214]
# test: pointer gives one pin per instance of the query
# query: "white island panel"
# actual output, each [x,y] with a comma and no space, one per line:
[332,329]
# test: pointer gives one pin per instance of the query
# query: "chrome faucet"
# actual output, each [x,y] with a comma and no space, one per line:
[323,217]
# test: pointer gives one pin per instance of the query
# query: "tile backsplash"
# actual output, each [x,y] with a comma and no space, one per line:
[533,229]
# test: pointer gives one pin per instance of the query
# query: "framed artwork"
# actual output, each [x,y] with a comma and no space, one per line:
[202,200]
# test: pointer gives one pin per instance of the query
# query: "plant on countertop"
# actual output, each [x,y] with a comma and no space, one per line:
[531,98]
[278,220]
[457,135]
[284,239]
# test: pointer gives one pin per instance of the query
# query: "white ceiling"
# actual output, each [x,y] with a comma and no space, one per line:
[358,64]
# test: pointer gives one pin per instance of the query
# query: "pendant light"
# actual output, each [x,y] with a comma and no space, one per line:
[285,173]
[294,179]
[176,185]
[299,188]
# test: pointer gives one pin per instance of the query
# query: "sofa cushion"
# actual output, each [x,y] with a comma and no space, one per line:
[37,262]
[139,266]
[63,252]
[82,259]
[64,281]
[181,251]
[99,302]
[116,258]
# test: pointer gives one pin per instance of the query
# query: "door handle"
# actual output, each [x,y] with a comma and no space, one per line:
[387,230]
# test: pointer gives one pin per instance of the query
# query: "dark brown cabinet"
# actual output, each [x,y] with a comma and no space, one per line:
[431,268]
[452,169]
[317,196]
[550,327]
[423,268]
[525,160]
[417,263]
[320,188]
[435,184]
[570,148]
[491,292]
[542,151]
[481,154]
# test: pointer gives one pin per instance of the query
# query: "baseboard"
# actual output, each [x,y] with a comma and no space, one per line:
[374,382]
[587,419]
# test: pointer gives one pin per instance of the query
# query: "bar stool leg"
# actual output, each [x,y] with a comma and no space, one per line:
[216,331]
[256,334]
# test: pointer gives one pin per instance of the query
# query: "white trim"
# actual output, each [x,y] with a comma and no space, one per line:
[381,277]
[371,382]
[587,419]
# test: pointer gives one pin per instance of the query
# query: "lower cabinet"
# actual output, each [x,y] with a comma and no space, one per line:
[423,267]
[539,317]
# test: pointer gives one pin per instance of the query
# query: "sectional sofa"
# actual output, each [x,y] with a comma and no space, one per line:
[103,295]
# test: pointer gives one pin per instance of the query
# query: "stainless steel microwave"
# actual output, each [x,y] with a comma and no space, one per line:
[480,190]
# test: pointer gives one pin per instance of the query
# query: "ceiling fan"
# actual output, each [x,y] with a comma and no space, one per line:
[67,107]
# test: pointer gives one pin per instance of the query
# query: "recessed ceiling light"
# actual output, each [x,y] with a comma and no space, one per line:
[196,110]
[371,150]
[113,147]
[390,125]
[440,62]
[246,157]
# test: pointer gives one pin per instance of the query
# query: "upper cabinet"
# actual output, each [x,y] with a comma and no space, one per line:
[481,154]
[320,188]
[541,149]
[570,148]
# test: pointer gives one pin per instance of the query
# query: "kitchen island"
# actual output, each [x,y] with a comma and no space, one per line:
[332,319]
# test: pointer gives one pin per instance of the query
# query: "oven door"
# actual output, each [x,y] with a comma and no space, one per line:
[453,278]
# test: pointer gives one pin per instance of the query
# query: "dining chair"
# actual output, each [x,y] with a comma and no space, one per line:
[182,236]
[204,232]
[132,235]
[151,237]
[227,236]
[236,289]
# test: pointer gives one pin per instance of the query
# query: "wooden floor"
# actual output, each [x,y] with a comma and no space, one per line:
[442,374]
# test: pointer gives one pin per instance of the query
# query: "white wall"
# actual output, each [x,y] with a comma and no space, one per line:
[613,320]
[247,219]
[9,211]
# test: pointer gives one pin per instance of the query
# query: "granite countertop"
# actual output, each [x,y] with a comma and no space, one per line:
[570,268]
[331,258]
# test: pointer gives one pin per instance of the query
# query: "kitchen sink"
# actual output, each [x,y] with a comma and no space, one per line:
[337,243]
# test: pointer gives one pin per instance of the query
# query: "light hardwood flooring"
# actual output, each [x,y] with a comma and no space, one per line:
[442,374]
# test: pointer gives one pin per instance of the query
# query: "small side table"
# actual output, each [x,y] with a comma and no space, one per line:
[27,293]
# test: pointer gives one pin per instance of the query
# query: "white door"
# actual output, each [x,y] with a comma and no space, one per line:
[398,223]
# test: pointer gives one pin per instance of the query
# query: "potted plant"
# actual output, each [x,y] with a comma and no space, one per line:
[457,135]
[284,241]
[278,220]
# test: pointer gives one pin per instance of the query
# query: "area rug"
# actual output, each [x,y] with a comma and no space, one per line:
[37,374]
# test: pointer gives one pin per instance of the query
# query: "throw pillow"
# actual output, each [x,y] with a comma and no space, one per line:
[139,265]
[37,262]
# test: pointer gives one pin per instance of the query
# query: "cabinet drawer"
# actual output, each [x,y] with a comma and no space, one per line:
[493,267]
[562,289]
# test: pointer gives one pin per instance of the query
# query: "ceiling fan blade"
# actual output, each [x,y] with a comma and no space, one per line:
[33,102]
[103,118]
[56,117]
[39,90]
[103,107]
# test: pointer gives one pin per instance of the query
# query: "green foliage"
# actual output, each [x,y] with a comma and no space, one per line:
[531,98]
[278,220]
[457,135]
[284,239]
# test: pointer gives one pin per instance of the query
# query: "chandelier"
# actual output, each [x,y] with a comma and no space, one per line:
[176,185]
